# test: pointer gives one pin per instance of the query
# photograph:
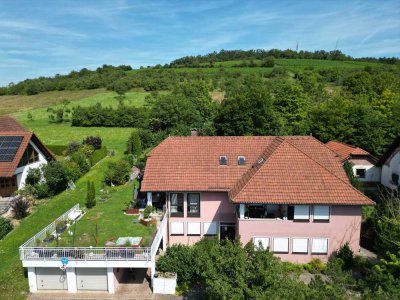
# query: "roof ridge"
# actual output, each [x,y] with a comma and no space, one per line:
[257,165]
[347,183]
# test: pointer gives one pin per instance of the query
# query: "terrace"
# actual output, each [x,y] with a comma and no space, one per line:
[103,233]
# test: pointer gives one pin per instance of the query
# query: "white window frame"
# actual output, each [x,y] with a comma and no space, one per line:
[177,228]
[226,158]
[265,242]
[241,157]
[300,251]
[301,216]
[193,228]
[318,252]
[323,217]
[280,251]
[210,226]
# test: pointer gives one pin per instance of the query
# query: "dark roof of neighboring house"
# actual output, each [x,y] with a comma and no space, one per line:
[389,151]
[345,151]
[292,170]
[10,127]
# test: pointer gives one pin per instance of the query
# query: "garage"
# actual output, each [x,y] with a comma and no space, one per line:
[51,279]
[93,279]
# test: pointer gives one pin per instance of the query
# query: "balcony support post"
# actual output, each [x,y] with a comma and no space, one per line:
[149,199]
[241,211]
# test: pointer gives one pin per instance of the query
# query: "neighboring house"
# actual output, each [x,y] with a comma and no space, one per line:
[20,150]
[390,163]
[365,165]
[290,194]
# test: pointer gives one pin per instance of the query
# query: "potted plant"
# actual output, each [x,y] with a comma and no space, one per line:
[132,208]
[49,237]
[164,283]
[61,226]
[146,220]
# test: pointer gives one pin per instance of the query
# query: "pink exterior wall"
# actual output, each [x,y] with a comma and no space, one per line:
[214,207]
[344,225]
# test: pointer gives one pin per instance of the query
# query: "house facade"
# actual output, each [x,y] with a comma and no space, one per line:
[20,150]
[365,165]
[390,164]
[289,194]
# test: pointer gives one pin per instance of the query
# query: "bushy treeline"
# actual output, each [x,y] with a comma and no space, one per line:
[227,270]
[227,55]
[122,116]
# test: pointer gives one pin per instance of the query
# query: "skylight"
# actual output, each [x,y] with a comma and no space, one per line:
[223,160]
[241,160]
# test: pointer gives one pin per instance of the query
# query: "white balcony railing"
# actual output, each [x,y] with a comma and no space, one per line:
[28,251]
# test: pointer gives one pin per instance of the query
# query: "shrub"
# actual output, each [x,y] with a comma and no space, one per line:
[268,62]
[134,144]
[20,207]
[56,177]
[117,172]
[58,149]
[147,211]
[5,226]
[87,150]
[98,155]
[72,147]
[94,141]
[80,158]
[41,190]
[346,254]
[315,266]
[73,170]
[33,177]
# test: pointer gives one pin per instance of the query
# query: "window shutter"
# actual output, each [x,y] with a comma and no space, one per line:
[210,228]
[193,228]
[281,245]
[264,242]
[321,212]
[177,228]
[301,212]
[300,245]
[319,246]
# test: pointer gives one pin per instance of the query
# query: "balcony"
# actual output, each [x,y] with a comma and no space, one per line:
[30,252]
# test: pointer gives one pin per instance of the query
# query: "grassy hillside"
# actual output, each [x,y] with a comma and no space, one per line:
[55,134]
[10,104]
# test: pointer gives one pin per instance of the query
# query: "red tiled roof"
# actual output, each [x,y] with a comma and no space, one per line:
[10,127]
[10,124]
[277,170]
[345,151]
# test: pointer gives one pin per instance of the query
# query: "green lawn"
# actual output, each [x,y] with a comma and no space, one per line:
[13,281]
[61,134]
[111,222]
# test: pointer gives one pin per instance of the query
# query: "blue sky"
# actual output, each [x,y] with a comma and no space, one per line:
[43,38]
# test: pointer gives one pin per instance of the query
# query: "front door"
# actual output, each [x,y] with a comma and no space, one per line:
[227,231]
[8,185]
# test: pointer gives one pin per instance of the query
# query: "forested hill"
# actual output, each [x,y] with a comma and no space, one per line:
[353,101]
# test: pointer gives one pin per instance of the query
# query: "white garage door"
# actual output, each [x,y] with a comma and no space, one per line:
[94,279]
[51,279]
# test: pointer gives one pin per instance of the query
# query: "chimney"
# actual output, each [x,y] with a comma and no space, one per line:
[194,132]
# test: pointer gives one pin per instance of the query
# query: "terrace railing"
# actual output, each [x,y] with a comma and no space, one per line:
[28,251]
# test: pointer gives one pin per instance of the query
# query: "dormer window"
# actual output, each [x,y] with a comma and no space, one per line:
[241,160]
[223,160]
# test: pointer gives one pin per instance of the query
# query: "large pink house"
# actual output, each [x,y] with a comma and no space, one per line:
[290,194]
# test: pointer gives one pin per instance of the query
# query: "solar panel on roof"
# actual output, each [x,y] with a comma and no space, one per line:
[8,147]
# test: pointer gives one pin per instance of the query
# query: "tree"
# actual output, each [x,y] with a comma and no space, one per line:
[268,62]
[56,176]
[134,144]
[117,172]
[90,195]
[29,116]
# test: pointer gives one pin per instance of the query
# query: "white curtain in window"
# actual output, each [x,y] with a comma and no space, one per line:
[321,212]
[264,242]
[193,228]
[210,228]
[300,245]
[176,227]
[281,245]
[301,212]
[319,245]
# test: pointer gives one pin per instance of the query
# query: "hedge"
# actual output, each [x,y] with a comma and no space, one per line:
[5,227]
[57,149]
[98,155]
